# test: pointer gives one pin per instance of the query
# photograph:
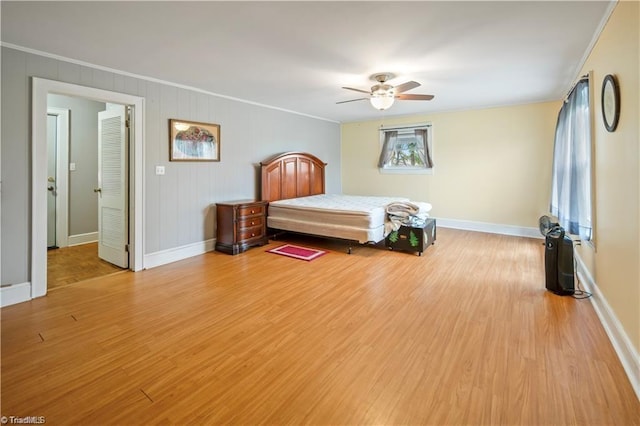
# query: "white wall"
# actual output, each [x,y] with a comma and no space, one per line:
[179,206]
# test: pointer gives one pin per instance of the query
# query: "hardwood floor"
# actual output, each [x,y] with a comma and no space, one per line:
[73,264]
[465,334]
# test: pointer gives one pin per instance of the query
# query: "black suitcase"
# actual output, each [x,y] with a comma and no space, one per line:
[558,261]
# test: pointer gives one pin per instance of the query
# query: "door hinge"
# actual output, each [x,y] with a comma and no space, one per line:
[127,123]
[126,248]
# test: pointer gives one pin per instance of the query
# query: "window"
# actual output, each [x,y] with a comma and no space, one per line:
[406,149]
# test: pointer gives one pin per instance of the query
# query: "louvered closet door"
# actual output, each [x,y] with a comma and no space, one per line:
[112,180]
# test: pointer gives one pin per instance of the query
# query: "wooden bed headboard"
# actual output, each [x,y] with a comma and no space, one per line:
[291,175]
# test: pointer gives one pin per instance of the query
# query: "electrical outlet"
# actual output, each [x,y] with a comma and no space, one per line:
[72,167]
[159,170]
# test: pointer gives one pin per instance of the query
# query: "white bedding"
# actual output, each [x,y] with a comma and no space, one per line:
[351,217]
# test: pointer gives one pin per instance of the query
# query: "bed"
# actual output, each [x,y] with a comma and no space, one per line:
[294,185]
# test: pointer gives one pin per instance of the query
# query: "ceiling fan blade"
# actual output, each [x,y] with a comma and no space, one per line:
[357,90]
[414,97]
[406,86]
[353,100]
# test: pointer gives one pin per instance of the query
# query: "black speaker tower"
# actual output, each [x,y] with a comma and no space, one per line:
[558,262]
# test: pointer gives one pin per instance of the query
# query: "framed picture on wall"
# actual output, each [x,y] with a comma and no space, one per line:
[193,141]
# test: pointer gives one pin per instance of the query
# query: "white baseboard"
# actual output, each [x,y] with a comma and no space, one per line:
[15,293]
[492,228]
[618,337]
[76,240]
[163,257]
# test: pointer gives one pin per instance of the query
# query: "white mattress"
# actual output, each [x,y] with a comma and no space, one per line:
[335,209]
[351,217]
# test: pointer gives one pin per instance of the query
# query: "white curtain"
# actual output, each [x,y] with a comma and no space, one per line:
[571,174]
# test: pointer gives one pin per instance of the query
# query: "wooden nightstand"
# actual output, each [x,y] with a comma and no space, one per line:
[240,225]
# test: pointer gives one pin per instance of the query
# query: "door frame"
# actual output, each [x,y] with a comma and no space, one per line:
[40,89]
[62,174]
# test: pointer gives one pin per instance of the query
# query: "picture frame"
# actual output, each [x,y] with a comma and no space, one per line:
[610,102]
[193,141]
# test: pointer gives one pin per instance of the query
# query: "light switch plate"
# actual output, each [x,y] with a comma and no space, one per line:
[72,167]
[159,170]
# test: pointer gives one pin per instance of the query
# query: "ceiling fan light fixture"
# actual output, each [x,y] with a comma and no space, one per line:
[383,95]
[382,100]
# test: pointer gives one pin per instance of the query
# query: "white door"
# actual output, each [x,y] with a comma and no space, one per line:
[52,154]
[113,226]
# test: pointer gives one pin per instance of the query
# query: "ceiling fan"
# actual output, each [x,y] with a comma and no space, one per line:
[383,95]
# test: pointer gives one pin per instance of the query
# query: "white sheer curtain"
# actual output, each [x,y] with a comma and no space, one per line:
[571,174]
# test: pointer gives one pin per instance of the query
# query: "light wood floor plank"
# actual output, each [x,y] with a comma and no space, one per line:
[465,334]
[68,265]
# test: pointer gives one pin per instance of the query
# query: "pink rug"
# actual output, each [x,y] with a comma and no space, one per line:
[297,252]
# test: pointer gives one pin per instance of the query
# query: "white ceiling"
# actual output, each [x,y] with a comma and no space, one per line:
[297,55]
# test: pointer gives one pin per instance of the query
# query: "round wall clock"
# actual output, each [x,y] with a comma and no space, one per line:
[610,102]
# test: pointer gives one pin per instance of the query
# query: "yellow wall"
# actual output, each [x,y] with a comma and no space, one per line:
[491,165]
[494,166]
[614,263]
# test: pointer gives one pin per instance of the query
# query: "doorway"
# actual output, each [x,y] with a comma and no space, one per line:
[41,89]
[52,171]
[57,178]
[91,157]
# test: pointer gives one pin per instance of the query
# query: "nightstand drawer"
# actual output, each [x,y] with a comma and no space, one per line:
[250,210]
[250,222]
[248,233]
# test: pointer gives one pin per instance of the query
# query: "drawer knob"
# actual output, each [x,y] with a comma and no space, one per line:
[253,223]
[253,235]
[253,211]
